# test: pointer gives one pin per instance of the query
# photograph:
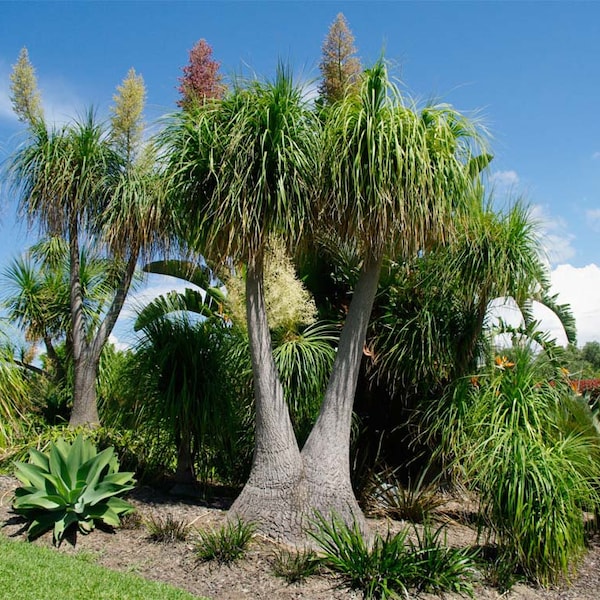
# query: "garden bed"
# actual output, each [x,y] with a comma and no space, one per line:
[131,550]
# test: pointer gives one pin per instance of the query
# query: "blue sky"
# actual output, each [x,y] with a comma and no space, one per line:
[530,70]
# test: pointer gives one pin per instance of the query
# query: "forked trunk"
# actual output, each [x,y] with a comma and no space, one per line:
[273,494]
[287,487]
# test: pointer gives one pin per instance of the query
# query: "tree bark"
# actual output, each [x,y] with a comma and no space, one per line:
[273,494]
[326,454]
[286,487]
[86,354]
[85,406]
[85,410]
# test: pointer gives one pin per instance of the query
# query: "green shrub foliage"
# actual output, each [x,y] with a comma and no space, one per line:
[71,484]
[528,446]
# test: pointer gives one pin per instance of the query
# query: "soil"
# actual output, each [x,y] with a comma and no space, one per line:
[130,549]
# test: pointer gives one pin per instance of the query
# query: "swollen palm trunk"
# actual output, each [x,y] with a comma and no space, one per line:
[286,487]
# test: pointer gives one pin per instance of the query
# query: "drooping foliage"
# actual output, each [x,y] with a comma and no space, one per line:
[83,182]
[529,447]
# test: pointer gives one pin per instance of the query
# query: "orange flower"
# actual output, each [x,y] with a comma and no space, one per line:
[503,363]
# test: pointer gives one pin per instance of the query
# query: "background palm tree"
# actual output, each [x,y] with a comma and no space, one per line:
[73,184]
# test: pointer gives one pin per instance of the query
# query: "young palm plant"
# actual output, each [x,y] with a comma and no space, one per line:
[524,444]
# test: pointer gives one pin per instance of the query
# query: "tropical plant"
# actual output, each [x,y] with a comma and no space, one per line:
[72,484]
[188,397]
[380,570]
[295,565]
[167,530]
[15,403]
[226,544]
[248,167]
[74,182]
[392,565]
[414,501]
[530,449]
[392,176]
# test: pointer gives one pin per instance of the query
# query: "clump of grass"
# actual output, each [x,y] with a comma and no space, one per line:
[441,568]
[393,565]
[533,455]
[295,565]
[226,544]
[132,520]
[167,530]
[413,502]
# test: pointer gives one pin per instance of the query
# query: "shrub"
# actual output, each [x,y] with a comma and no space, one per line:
[440,568]
[226,544]
[531,451]
[72,484]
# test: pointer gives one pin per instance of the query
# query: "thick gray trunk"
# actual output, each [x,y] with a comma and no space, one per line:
[326,454]
[285,487]
[272,495]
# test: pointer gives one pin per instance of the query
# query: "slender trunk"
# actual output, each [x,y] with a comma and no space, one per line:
[326,454]
[85,405]
[85,411]
[273,494]
[185,472]
[86,353]
[108,323]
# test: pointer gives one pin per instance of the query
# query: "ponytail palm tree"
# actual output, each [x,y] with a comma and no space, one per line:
[257,163]
[242,168]
[393,179]
[72,183]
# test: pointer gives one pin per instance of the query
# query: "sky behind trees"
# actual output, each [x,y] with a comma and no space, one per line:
[529,70]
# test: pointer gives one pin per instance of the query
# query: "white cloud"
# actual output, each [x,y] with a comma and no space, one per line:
[504,179]
[593,218]
[553,232]
[579,287]
[596,155]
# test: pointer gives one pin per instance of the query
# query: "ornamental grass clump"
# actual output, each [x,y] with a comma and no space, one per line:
[71,485]
[529,448]
[391,566]
[226,544]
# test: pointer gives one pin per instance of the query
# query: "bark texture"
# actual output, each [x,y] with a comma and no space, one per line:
[286,487]
[272,496]
[86,352]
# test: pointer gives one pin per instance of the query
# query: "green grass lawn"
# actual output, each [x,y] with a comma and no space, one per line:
[29,572]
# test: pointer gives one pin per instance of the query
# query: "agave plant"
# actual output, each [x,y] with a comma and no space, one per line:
[71,484]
